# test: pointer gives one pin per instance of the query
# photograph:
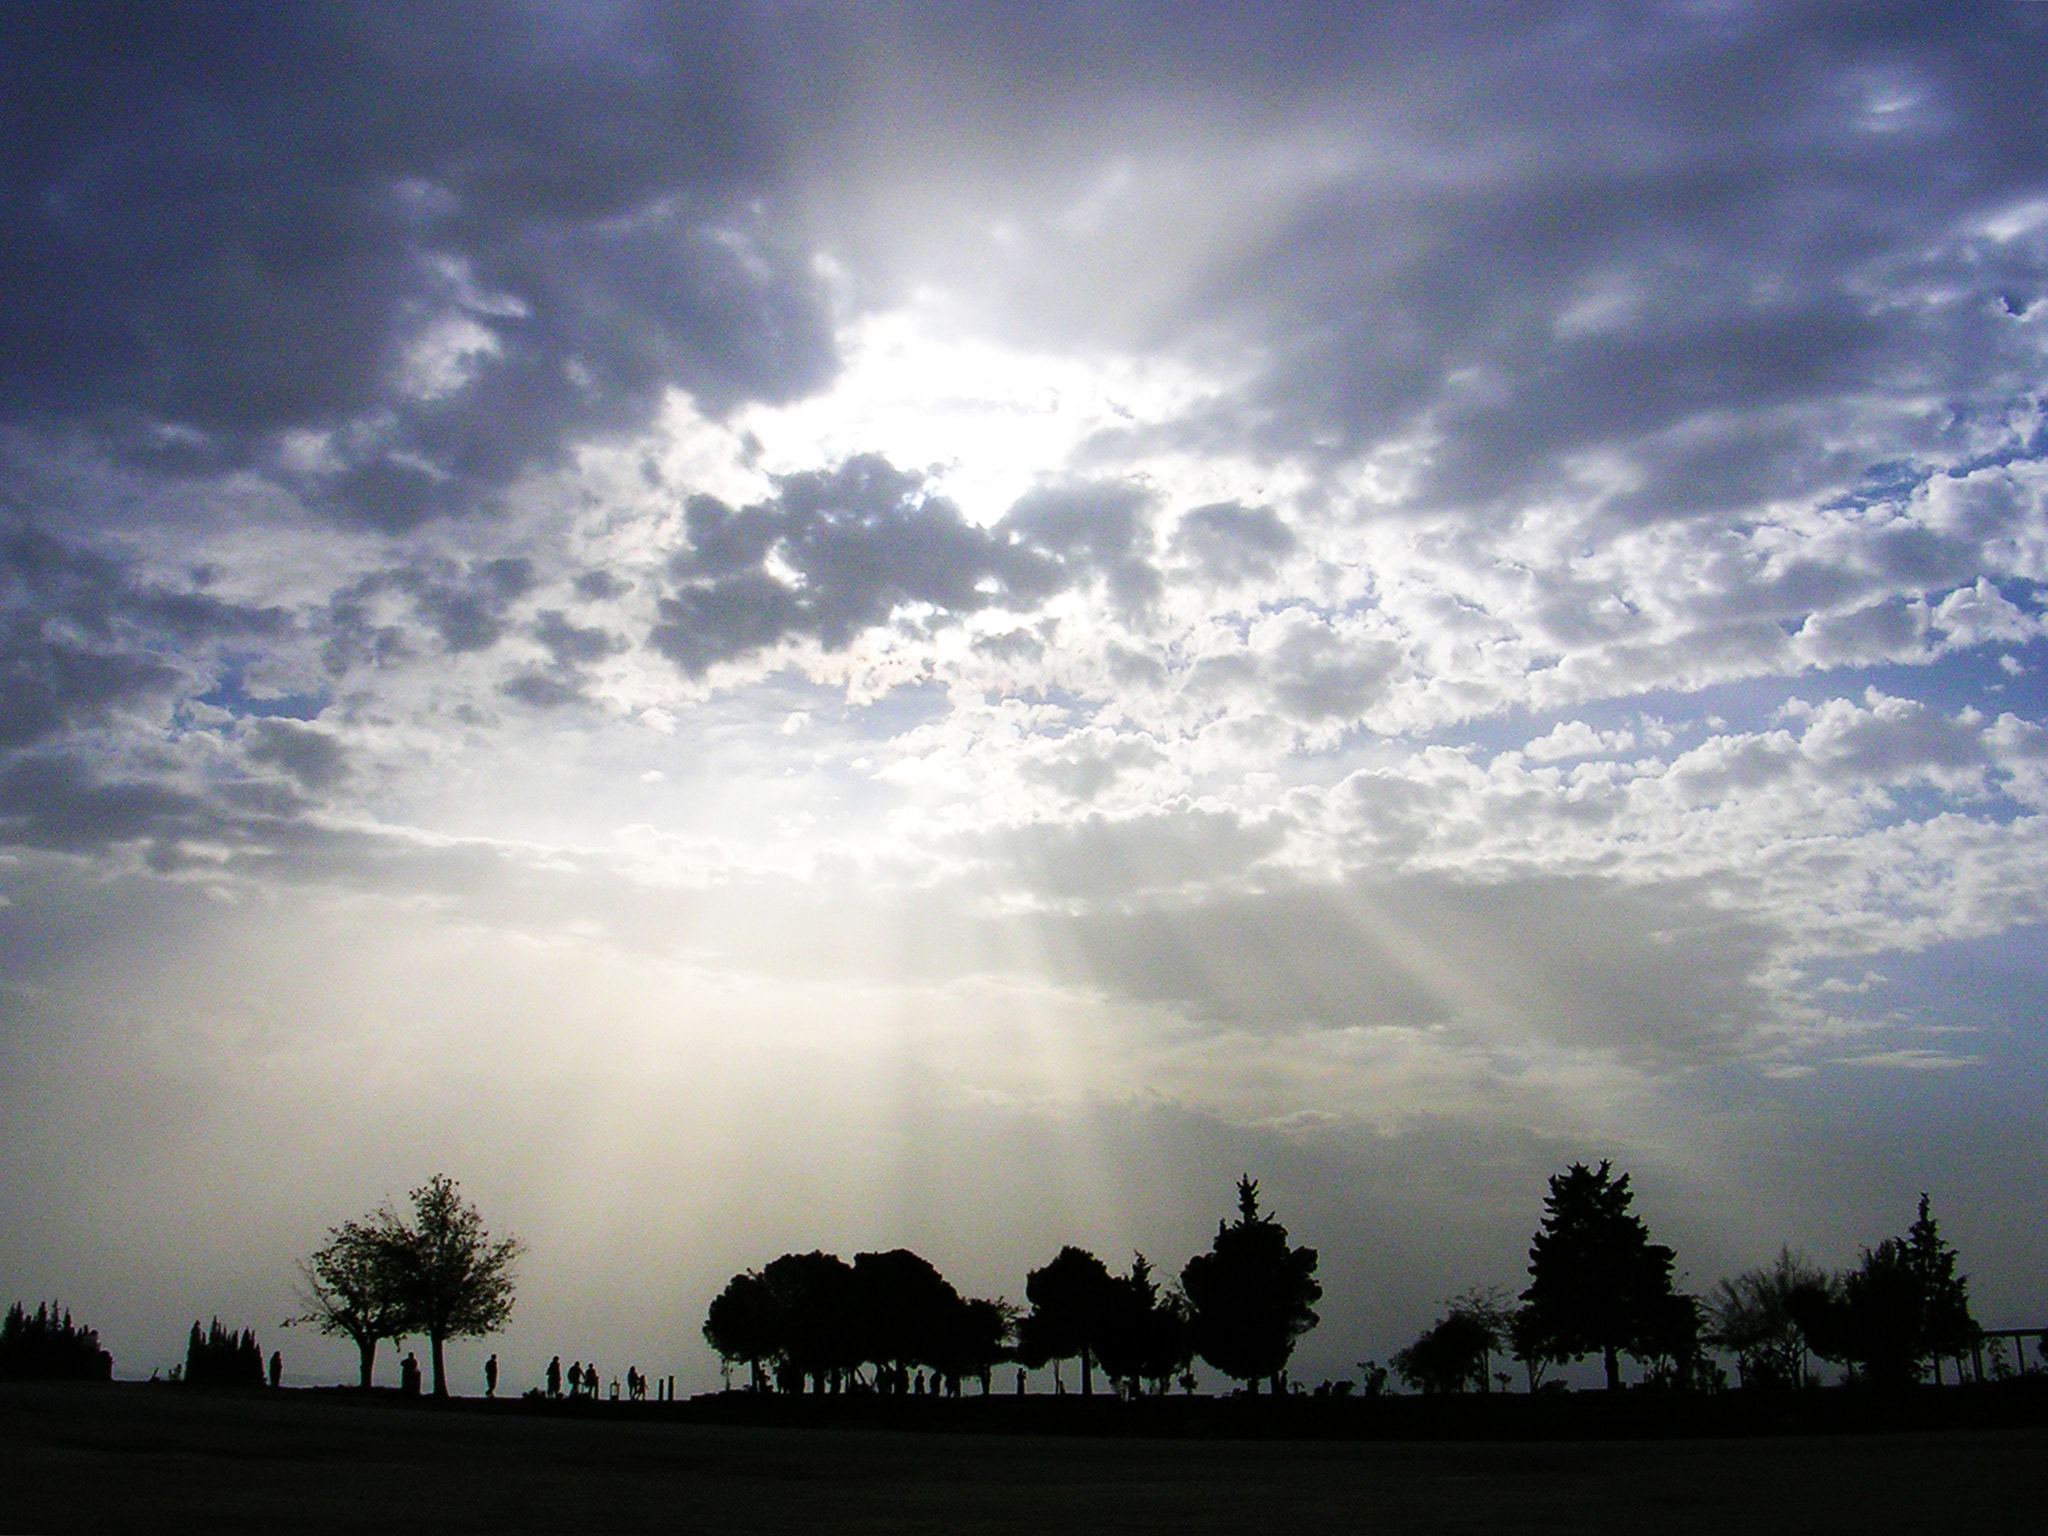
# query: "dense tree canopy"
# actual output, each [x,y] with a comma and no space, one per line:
[1598,1285]
[812,1320]
[1072,1299]
[1144,1333]
[1250,1296]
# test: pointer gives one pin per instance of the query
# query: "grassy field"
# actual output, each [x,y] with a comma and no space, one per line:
[128,1457]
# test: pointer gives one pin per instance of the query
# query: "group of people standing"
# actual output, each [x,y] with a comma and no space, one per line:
[585,1381]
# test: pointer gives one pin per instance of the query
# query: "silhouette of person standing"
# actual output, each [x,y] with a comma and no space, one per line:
[409,1375]
[576,1379]
[276,1367]
[555,1377]
[491,1377]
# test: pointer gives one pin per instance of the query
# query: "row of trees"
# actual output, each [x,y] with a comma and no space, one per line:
[1599,1287]
[435,1271]
[1897,1313]
[812,1319]
[220,1357]
[46,1345]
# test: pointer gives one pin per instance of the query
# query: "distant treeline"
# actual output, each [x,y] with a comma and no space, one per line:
[1598,1287]
[45,1345]
[889,1323]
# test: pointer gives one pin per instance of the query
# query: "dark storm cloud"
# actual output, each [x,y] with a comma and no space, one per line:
[81,635]
[464,603]
[1750,218]
[315,758]
[838,551]
[574,644]
[453,236]
[57,802]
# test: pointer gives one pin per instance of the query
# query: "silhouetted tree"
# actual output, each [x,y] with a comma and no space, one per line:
[815,1320]
[1449,1356]
[353,1287]
[818,1305]
[903,1307]
[1250,1296]
[1141,1335]
[45,1345]
[452,1277]
[1902,1308]
[1071,1303]
[1597,1283]
[1947,1327]
[1668,1344]
[220,1357]
[1756,1316]
[745,1323]
[1529,1342]
[1457,1350]
[972,1341]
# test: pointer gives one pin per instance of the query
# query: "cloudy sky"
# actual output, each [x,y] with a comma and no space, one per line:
[787,625]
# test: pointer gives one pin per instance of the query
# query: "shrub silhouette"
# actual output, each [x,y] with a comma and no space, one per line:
[46,1345]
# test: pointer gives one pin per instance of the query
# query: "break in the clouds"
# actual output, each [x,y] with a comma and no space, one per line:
[919,588]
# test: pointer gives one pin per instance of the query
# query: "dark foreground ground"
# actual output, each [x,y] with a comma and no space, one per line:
[125,1457]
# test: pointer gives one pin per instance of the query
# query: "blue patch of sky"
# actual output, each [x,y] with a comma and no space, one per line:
[1985,997]
[1973,678]
[1895,480]
[902,708]
[232,695]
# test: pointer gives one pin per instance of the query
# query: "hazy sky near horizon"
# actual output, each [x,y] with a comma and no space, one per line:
[774,625]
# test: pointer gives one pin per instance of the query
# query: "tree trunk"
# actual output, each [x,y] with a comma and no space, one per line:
[1613,1359]
[367,1348]
[440,1370]
[1087,1374]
